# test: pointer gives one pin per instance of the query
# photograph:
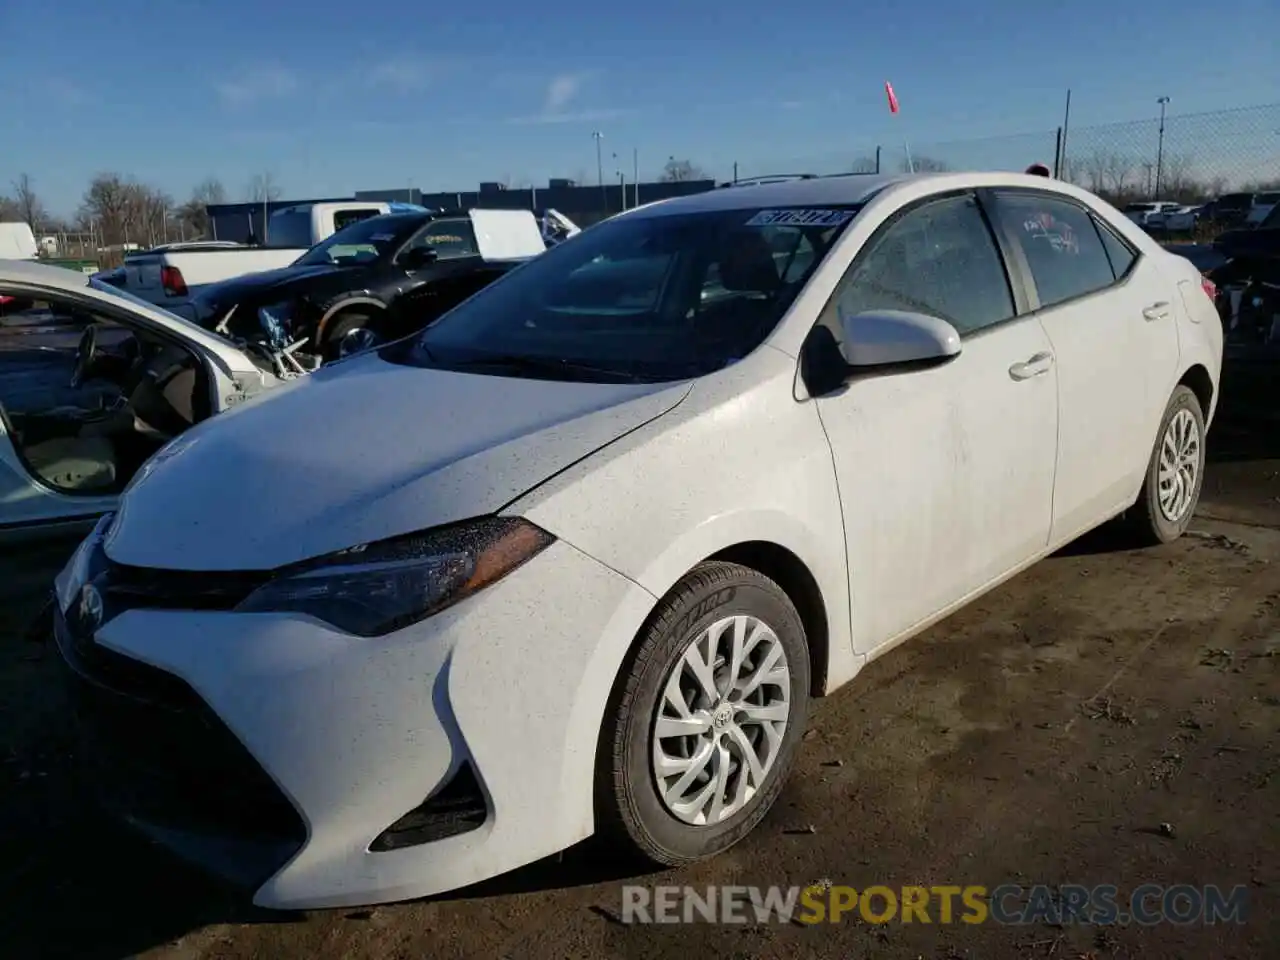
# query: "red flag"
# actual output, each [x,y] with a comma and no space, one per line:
[893,98]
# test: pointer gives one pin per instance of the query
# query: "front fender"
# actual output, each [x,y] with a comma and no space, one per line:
[741,463]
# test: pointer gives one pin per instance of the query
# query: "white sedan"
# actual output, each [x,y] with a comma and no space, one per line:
[578,557]
[92,382]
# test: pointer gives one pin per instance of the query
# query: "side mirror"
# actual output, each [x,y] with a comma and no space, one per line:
[415,258]
[891,338]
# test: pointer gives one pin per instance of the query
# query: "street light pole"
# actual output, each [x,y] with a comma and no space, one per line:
[598,136]
[1163,101]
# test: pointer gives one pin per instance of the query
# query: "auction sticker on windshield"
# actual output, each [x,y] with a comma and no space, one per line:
[800,218]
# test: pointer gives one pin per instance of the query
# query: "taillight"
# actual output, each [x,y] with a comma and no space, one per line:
[1209,287]
[172,281]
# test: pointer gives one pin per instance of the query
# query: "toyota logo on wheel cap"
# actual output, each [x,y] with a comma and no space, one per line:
[90,609]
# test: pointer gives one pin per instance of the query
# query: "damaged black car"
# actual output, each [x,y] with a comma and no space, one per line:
[374,281]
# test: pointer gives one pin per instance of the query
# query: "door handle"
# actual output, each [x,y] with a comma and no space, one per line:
[1157,311]
[1034,367]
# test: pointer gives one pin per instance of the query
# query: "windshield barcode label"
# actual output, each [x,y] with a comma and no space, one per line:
[799,218]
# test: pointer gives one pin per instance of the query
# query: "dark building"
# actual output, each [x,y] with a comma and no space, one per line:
[583,205]
[236,221]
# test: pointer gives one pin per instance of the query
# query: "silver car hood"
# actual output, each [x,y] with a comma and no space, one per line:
[359,452]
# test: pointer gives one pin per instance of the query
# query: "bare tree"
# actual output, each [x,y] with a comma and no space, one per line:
[681,171]
[194,214]
[1108,172]
[10,212]
[924,165]
[263,188]
[30,209]
[865,165]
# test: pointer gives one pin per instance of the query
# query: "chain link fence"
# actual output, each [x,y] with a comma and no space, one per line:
[1188,158]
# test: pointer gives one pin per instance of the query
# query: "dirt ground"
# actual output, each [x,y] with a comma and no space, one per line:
[1043,735]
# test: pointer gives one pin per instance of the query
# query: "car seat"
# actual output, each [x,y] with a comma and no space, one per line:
[79,464]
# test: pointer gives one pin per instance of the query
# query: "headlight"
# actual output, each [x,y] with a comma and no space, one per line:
[375,589]
[84,565]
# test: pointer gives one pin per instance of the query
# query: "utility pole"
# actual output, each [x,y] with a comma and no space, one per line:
[635,175]
[598,136]
[1164,102]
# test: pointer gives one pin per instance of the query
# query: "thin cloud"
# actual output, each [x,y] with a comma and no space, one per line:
[402,76]
[576,116]
[257,84]
[562,90]
[67,93]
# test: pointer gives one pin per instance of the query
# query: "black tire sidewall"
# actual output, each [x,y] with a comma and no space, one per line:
[656,831]
[1161,527]
[342,325]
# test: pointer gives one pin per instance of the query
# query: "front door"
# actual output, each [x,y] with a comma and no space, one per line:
[945,474]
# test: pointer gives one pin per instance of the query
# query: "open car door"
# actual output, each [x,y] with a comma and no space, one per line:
[92,384]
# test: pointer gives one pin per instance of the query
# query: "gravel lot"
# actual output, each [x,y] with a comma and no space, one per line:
[1042,735]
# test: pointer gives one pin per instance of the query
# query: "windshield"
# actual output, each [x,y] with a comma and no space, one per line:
[639,298]
[364,241]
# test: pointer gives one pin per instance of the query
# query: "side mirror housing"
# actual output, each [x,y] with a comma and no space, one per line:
[417,257]
[883,339]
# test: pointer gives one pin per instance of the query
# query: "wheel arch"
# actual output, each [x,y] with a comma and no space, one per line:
[349,305]
[1197,380]
[797,581]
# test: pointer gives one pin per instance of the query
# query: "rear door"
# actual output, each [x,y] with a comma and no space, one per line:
[1110,315]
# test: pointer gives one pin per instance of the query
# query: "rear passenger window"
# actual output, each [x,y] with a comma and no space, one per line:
[1119,253]
[1061,243]
[939,259]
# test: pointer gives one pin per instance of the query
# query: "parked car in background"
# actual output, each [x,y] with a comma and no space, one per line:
[1182,219]
[1230,210]
[373,281]
[578,556]
[1263,204]
[17,242]
[1249,280]
[1150,215]
[171,275]
[94,381]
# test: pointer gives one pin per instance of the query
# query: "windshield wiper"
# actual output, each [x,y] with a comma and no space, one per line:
[523,363]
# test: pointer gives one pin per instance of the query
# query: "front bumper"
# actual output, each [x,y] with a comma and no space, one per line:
[333,739]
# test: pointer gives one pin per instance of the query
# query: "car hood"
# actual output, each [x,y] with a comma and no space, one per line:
[358,452]
[254,285]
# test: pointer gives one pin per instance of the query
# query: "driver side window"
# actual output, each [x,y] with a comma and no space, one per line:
[939,259]
[449,238]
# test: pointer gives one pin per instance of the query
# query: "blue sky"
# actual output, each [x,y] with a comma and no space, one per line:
[332,97]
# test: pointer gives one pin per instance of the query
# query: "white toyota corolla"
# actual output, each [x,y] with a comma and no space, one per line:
[578,557]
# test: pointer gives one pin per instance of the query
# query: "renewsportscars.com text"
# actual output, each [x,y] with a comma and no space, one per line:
[1008,904]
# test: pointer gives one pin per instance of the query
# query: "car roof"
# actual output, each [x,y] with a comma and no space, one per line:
[31,271]
[808,191]
[847,190]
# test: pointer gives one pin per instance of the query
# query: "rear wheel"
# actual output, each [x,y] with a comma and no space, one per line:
[1175,473]
[707,718]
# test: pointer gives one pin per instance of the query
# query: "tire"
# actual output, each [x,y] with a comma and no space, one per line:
[339,327]
[1150,521]
[630,809]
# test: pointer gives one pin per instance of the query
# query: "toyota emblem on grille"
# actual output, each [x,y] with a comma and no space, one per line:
[89,610]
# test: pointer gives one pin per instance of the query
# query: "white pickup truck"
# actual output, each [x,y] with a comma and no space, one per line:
[170,276]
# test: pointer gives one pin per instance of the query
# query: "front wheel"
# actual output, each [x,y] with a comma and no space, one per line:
[706,719]
[350,333]
[1175,473]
